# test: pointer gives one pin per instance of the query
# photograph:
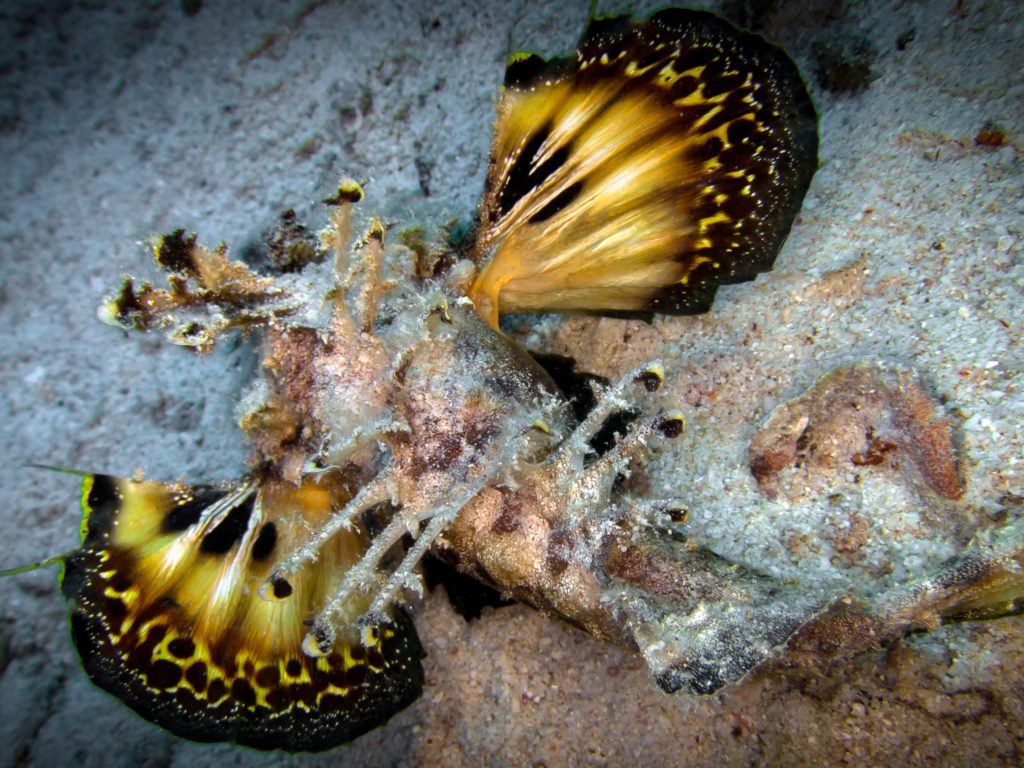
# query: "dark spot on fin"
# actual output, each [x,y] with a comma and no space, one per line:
[230,530]
[562,201]
[282,588]
[101,501]
[163,674]
[187,513]
[523,177]
[181,648]
[264,544]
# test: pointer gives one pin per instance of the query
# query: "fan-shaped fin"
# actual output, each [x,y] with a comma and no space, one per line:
[664,159]
[166,615]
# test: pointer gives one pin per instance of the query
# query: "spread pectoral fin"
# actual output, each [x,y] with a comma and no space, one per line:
[662,160]
[166,615]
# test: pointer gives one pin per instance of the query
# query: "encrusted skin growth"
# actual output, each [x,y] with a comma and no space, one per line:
[405,396]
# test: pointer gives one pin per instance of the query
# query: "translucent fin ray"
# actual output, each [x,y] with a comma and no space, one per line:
[664,159]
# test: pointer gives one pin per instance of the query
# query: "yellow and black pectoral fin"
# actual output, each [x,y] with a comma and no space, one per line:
[166,615]
[664,159]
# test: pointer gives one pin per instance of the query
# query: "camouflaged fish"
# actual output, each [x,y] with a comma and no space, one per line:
[394,419]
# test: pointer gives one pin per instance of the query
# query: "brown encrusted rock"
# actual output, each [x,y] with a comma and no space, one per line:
[857,418]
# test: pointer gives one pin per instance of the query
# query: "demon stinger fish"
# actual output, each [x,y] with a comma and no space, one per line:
[393,418]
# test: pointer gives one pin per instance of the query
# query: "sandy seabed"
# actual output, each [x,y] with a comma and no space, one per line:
[118,121]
